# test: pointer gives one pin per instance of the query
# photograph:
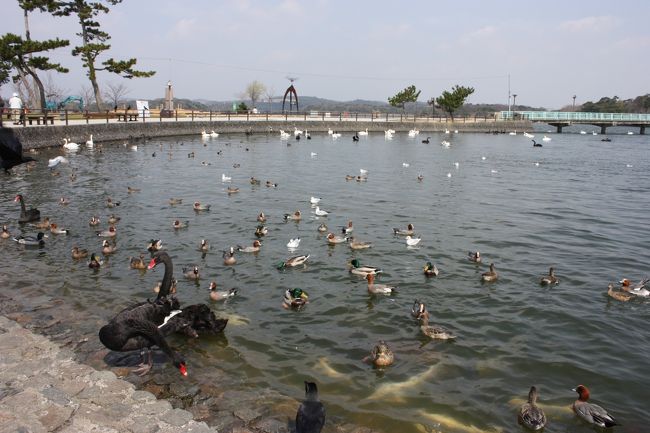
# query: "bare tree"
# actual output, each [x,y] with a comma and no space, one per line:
[254,91]
[269,94]
[88,95]
[115,93]
[52,90]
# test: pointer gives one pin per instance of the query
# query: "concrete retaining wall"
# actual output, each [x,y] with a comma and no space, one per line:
[48,136]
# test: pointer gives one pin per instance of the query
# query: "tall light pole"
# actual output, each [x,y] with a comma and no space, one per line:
[574,103]
[514,101]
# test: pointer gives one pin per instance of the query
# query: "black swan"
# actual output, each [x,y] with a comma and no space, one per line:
[27,215]
[355,137]
[137,327]
[311,413]
[536,144]
[194,319]
[426,141]
[11,151]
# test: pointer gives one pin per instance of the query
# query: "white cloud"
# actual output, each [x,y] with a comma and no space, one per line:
[184,28]
[591,24]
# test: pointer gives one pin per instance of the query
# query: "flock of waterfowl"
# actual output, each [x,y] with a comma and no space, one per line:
[311,414]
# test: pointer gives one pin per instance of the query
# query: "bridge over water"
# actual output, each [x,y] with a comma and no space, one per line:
[560,119]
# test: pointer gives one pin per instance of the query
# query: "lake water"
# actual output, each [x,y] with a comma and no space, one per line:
[578,204]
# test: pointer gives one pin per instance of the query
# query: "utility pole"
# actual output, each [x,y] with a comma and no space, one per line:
[574,103]
[514,101]
[509,96]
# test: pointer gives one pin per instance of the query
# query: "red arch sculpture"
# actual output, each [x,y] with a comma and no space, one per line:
[291,91]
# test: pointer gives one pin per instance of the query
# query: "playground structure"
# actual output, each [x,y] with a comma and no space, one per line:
[53,105]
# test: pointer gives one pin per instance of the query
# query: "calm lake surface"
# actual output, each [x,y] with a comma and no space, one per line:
[578,204]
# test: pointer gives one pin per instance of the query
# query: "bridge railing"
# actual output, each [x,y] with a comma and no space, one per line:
[567,116]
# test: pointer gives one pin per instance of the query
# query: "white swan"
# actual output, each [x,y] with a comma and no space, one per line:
[284,135]
[527,135]
[205,134]
[546,138]
[56,161]
[583,132]
[363,132]
[225,178]
[314,154]
[406,164]
[134,147]
[314,200]
[446,131]
[413,132]
[293,243]
[320,212]
[70,145]
[90,142]
[445,143]
[594,133]
[330,132]
[512,133]
[411,242]
[214,134]
[296,132]
[336,135]
[630,133]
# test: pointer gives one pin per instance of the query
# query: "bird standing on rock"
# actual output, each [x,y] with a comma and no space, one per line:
[311,413]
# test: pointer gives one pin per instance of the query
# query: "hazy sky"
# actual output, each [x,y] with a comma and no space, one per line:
[346,50]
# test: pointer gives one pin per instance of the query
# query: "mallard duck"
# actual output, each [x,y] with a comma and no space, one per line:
[107,248]
[296,216]
[295,298]
[37,240]
[530,415]
[95,262]
[589,412]
[382,289]
[261,231]
[197,206]
[177,224]
[204,246]
[192,273]
[433,331]
[409,231]
[138,262]
[252,249]
[489,276]
[113,219]
[261,217]
[55,229]
[346,230]
[217,295]
[174,201]
[322,228]
[94,220]
[474,257]
[154,245]
[5,232]
[78,253]
[332,239]
[255,181]
[293,261]
[229,257]
[550,279]
[637,289]
[430,270]
[357,269]
[44,224]
[111,232]
[381,355]
[111,204]
[358,245]
[619,296]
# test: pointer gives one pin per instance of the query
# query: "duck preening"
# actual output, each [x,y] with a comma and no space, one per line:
[311,412]
[295,298]
[137,327]
[530,415]
[26,216]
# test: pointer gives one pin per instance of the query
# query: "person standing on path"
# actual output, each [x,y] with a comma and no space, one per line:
[16,106]
[2,110]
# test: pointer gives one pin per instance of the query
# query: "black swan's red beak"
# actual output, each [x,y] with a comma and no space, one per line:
[183,369]
[152,264]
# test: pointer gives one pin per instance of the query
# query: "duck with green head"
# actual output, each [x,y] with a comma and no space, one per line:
[430,270]
[362,271]
[293,261]
[295,298]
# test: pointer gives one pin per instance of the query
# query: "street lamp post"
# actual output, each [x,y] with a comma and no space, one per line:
[514,101]
[574,103]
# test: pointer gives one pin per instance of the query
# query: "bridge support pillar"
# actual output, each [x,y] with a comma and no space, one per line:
[642,130]
[559,128]
[603,129]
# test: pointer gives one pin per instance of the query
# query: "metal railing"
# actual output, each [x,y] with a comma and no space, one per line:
[567,116]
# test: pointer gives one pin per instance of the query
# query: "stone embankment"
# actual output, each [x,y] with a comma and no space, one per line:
[42,389]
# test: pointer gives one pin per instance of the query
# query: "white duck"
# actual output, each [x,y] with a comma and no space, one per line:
[411,241]
[225,178]
[293,243]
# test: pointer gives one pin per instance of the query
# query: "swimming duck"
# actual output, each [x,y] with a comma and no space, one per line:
[433,331]
[108,248]
[261,231]
[94,220]
[232,190]
[489,276]
[409,231]
[261,217]
[314,200]
[177,224]
[361,178]
[113,219]
[417,309]
[589,412]
[293,243]
[363,271]
[110,203]
[322,228]
[349,177]
[111,232]
[411,241]
[420,177]
[172,289]
[197,206]
[381,355]
[64,201]
[296,216]
[192,273]
[430,270]
[346,230]
[358,245]
[131,190]
[95,262]
[217,295]
[31,240]
[175,201]
[295,298]
[320,212]
[255,181]
[474,257]
[138,262]
[55,229]
[154,245]
[78,253]
[637,289]
[27,216]
[270,184]
[252,249]
[619,296]
[530,415]
[382,289]
[293,261]
[229,257]
[204,246]
[44,224]
[550,279]
[5,232]
[333,239]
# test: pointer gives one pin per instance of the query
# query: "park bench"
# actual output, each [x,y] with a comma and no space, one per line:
[127,116]
[29,118]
